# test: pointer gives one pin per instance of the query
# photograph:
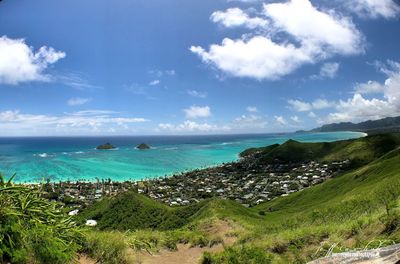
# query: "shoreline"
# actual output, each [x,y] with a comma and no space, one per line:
[186,171]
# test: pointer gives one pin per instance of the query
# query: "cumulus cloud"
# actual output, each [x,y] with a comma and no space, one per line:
[154,82]
[312,35]
[360,108]
[20,63]
[295,119]
[13,122]
[328,70]
[387,9]
[258,57]
[312,115]
[281,120]
[194,112]
[191,126]
[301,106]
[249,122]
[244,1]
[252,109]
[78,101]
[369,87]
[327,32]
[236,17]
[197,94]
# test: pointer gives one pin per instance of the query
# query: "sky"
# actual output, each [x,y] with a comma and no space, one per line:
[156,67]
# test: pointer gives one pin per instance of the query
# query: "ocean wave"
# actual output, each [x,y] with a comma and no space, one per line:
[172,148]
[42,155]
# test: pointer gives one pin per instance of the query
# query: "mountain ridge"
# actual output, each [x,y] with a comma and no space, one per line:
[384,125]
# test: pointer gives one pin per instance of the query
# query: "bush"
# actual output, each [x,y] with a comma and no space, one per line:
[242,255]
[107,247]
[34,230]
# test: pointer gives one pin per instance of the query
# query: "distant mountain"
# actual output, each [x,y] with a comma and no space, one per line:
[388,124]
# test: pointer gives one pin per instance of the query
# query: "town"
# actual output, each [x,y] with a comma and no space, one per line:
[246,181]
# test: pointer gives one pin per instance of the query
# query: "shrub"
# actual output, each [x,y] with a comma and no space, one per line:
[241,255]
[34,230]
[107,247]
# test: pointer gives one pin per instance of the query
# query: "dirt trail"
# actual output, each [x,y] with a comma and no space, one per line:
[192,255]
[83,259]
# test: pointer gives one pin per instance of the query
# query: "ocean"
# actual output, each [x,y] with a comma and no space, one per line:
[76,158]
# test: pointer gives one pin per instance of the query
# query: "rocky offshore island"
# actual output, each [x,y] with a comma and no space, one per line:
[106,146]
[143,146]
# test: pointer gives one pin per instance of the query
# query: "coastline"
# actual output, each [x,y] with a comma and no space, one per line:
[237,158]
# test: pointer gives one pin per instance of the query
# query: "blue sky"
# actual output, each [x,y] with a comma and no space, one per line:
[97,67]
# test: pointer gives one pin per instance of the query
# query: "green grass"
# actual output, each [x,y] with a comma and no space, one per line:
[360,151]
[357,209]
[132,211]
[34,230]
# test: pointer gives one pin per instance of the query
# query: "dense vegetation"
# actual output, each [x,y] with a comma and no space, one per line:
[354,210]
[132,211]
[359,208]
[359,151]
[32,229]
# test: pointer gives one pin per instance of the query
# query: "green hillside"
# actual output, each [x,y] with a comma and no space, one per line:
[132,211]
[360,151]
[359,208]
[354,210]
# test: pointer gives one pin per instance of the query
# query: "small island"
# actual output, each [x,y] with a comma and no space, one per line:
[106,146]
[143,146]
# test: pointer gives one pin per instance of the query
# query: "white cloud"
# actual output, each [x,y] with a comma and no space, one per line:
[170,72]
[77,123]
[258,57]
[328,70]
[75,80]
[244,1]
[154,82]
[322,103]
[93,112]
[387,9]
[197,112]
[281,120]
[78,101]
[359,108]
[20,63]
[295,119]
[252,109]
[250,122]
[161,73]
[369,87]
[325,31]
[236,17]
[190,126]
[243,123]
[312,115]
[198,94]
[301,106]
[307,35]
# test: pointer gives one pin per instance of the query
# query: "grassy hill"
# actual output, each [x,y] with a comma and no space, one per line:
[132,211]
[360,151]
[357,209]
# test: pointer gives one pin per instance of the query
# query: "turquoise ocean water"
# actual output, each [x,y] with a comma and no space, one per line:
[76,158]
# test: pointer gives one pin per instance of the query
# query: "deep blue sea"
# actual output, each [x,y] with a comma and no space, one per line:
[76,158]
